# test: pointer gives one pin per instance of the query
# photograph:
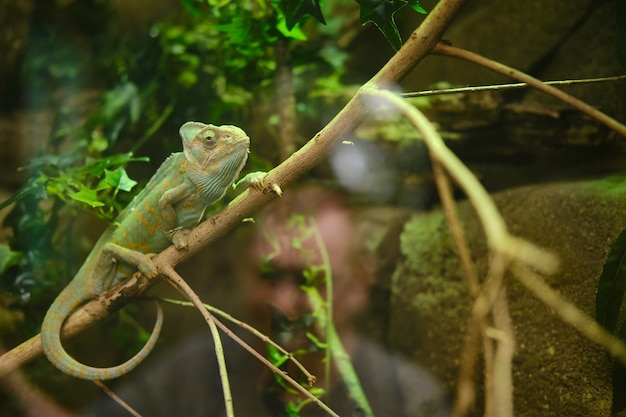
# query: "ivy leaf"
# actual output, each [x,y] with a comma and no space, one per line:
[87,196]
[293,33]
[8,257]
[612,284]
[295,10]
[381,13]
[119,179]
[32,187]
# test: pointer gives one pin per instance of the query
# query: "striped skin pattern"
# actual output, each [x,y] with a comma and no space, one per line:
[172,203]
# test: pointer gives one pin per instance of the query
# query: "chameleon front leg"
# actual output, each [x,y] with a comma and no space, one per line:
[169,216]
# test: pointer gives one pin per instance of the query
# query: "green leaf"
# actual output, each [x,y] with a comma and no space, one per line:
[276,357]
[295,10]
[381,13]
[119,179]
[123,96]
[316,341]
[293,33]
[192,7]
[32,186]
[620,31]
[415,5]
[612,284]
[8,257]
[87,196]
[98,166]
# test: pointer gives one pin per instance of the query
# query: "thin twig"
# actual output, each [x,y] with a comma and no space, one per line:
[489,293]
[328,305]
[498,237]
[449,209]
[505,343]
[340,356]
[250,349]
[568,312]
[511,86]
[447,50]
[465,395]
[503,245]
[181,285]
[116,398]
[264,338]
[335,350]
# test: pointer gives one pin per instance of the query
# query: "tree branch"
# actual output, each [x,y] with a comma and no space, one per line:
[421,43]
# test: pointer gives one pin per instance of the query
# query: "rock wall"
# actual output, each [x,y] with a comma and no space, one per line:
[557,371]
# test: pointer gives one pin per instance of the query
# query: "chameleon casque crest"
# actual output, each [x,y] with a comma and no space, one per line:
[172,203]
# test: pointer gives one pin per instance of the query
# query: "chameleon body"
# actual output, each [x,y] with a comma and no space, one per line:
[172,203]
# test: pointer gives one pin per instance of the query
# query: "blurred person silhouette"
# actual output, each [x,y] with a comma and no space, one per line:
[299,239]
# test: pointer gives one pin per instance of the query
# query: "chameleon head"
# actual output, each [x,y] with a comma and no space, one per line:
[219,150]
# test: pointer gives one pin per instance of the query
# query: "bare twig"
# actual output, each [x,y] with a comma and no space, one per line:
[498,237]
[504,246]
[310,377]
[181,285]
[335,350]
[569,313]
[512,86]
[445,49]
[449,208]
[505,344]
[186,289]
[116,398]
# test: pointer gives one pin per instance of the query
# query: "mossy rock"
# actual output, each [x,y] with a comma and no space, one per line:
[556,370]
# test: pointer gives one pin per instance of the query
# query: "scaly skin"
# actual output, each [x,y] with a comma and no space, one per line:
[172,203]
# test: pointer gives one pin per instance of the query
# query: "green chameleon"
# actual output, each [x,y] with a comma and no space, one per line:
[172,203]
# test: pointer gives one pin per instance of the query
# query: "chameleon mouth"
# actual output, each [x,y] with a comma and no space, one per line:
[206,162]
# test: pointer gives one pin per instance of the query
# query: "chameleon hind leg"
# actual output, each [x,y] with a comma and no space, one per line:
[141,261]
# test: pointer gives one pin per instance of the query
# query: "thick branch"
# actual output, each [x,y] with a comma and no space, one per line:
[420,44]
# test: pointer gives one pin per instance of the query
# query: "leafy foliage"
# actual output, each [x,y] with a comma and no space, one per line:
[295,10]
[379,12]
[33,256]
[93,184]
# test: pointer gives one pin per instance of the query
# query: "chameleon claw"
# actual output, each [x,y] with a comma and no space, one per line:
[146,266]
[180,239]
[257,181]
[276,188]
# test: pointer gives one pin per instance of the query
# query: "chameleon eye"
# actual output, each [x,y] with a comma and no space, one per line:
[208,137]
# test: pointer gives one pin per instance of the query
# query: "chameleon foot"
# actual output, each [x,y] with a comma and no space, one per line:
[257,181]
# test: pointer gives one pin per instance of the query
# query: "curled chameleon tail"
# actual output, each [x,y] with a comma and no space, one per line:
[51,327]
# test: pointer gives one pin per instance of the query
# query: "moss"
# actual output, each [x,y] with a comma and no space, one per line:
[614,185]
[430,276]
[416,241]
